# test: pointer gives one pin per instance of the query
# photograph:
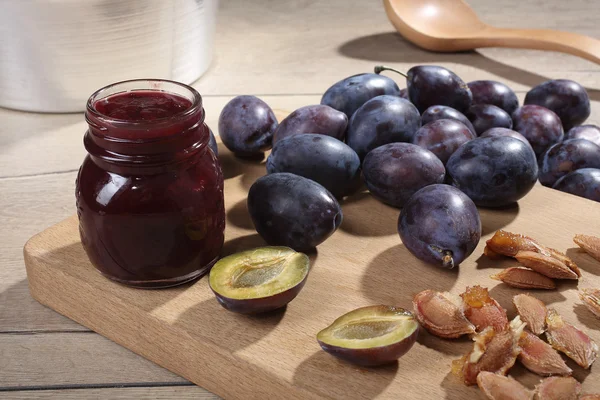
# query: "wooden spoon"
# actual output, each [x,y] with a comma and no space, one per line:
[451,25]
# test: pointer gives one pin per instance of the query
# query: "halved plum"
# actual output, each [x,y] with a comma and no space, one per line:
[259,280]
[371,336]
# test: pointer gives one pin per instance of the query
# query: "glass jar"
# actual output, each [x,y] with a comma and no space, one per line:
[150,191]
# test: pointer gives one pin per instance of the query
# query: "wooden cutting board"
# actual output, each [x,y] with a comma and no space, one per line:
[185,330]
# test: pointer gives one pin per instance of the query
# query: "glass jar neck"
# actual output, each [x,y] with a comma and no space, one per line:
[144,146]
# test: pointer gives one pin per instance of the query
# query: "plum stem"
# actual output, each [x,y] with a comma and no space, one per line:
[380,68]
[447,260]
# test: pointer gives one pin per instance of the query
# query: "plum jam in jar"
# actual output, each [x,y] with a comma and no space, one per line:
[150,191]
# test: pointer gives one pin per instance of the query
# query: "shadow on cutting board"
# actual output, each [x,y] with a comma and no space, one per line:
[455,347]
[457,390]
[387,274]
[232,166]
[339,378]
[493,219]
[358,206]
[233,331]
[392,47]
[238,215]
[504,295]
[584,261]
[586,317]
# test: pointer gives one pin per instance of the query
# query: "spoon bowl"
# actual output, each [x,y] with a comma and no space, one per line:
[451,25]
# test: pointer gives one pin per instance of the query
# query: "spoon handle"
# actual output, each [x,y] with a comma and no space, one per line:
[543,39]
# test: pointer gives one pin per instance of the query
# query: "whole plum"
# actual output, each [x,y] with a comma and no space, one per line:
[434,113]
[495,93]
[321,158]
[440,225]
[540,126]
[584,182]
[395,171]
[382,120]
[487,116]
[443,137]
[568,156]
[350,93]
[246,126]
[493,171]
[430,85]
[588,132]
[313,119]
[212,142]
[568,99]
[502,132]
[293,211]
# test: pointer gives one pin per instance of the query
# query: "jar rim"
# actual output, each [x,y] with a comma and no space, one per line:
[194,97]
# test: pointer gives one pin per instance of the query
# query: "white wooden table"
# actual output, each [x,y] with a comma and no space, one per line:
[286,52]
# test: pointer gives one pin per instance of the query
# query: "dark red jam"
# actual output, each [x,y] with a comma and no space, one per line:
[149,194]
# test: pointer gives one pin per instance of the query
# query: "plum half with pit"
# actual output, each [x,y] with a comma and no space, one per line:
[371,336]
[440,225]
[259,280]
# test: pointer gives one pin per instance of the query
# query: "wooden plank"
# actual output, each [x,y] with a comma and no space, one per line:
[304,46]
[40,360]
[61,136]
[363,263]
[26,206]
[121,393]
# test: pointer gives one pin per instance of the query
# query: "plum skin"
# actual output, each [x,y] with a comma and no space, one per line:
[349,94]
[584,182]
[488,116]
[493,171]
[443,137]
[212,142]
[430,85]
[566,157]
[321,158]
[374,356]
[293,211]
[313,119]
[495,93]
[395,171]
[588,132]
[540,126]
[247,125]
[382,120]
[439,219]
[261,304]
[568,99]
[434,113]
[502,132]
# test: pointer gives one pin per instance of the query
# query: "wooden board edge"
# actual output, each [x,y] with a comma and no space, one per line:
[45,283]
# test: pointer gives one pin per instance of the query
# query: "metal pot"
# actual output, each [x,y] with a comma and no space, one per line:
[55,53]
